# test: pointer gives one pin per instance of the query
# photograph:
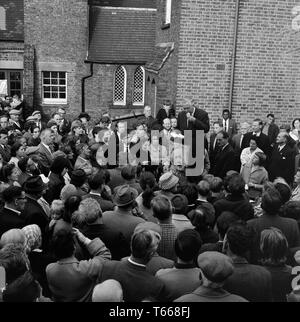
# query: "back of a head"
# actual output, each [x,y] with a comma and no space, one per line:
[128,172]
[284,190]
[216,185]
[68,191]
[291,209]
[273,246]
[203,188]
[91,209]
[224,221]
[22,164]
[71,205]
[108,291]
[23,289]
[148,183]
[191,192]
[240,237]
[162,208]
[235,184]
[14,261]
[144,244]
[10,193]
[187,245]
[62,244]
[13,236]
[198,219]
[271,199]
[96,181]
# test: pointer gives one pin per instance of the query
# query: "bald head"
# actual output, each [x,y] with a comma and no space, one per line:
[108,291]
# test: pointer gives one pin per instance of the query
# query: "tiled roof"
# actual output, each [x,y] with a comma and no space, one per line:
[121,35]
[14,16]
[160,56]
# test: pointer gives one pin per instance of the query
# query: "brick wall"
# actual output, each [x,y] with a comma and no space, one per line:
[267,62]
[167,80]
[58,30]
[11,51]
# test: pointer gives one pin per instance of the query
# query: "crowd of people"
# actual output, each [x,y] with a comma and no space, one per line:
[104,210]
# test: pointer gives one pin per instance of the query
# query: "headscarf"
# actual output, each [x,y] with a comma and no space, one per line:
[33,237]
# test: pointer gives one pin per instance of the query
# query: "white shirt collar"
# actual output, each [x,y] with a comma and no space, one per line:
[13,210]
[135,263]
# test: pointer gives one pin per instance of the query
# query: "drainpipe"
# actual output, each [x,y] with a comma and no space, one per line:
[83,86]
[233,60]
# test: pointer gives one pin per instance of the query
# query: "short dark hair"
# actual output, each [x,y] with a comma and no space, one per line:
[240,237]
[254,138]
[11,193]
[62,244]
[71,205]
[291,209]
[224,221]
[128,172]
[216,184]
[226,110]
[142,244]
[234,184]
[162,208]
[191,192]
[258,120]
[15,147]
[96,130]
[188,244]
[271,199]
[284,190]
[203,188]
[261,157]
[96,180]
[293,123]
[25,288]
[272,115]
[84,115]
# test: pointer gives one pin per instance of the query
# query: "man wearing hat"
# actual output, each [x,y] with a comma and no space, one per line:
[34,213]
[14,120]
[215,270]
[122,218]
[37,116]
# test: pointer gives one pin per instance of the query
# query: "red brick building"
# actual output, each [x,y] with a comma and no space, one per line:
[123,54]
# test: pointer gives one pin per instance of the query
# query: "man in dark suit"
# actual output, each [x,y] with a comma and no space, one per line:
[4,147]
[252,282]
[167,111]
[225,156]
[282,161]
[11,214]
[38,120]
[271,129]
[33,211]
[229,124]
[45,152]
[148,119]
[137,283]
[263,141]
[193,118]
[65,125]
[237,142]
[213,146]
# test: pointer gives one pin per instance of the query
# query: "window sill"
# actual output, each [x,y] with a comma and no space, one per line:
[56,102]
[126,107]
[165,26]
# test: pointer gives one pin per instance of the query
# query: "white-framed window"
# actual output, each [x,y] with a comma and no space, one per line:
[139,86]
[2,18]
[120,81]
[168,10]
[54,87]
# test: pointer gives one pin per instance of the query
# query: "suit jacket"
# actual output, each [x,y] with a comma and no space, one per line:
[46,159]
[162,114]
[136,282]
[263,142]
[282,164]
[251,282]
[55,184]
[113,240]
[223,162]
[232,128]
[273,131]
[10,219]
[201,122]
[17,127]
[71,280]
[5,153]
[35,214]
